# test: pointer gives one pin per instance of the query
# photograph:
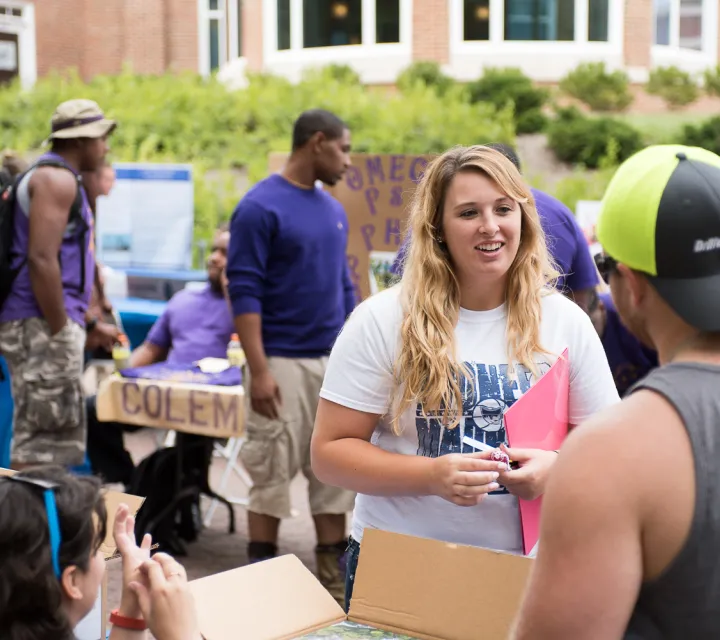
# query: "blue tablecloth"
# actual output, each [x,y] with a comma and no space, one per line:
[138,316]
[6,415]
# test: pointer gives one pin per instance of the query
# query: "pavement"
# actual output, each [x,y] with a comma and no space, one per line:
[216,550]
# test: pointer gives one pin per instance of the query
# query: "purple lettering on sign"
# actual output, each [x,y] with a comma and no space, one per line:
[396,194]
[397,164]
[392,231]
[375,169]
[371,197]
[368,231]
[354,178]
[229,415]
[152,406]
[353,263]
[196,406]
[127,386]
[168,408]
[417,167]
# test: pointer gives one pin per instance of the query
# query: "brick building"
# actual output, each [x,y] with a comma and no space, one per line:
[546,38]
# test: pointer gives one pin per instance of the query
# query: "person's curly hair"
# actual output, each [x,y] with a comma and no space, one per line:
[30,593]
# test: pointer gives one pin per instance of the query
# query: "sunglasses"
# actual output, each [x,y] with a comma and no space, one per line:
[48,494]
[606,266]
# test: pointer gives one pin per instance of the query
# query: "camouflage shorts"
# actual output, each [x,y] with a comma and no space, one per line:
[45,371]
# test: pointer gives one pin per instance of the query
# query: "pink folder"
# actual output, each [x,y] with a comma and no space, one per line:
[539,420]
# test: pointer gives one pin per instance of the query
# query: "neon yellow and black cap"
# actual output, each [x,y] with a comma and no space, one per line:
[661,215]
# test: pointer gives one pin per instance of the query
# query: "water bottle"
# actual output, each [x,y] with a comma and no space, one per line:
[235,353]
[121,353]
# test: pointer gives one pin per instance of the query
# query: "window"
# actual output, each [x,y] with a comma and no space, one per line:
[598,19]
[337,23]
[216,37]
[214,44]
[332,23]
[387,21]
[691,24]
[476,20]
[283,25]
[661,10]
[540,20]
[679,23]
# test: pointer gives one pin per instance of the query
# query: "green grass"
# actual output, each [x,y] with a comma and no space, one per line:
[662,128]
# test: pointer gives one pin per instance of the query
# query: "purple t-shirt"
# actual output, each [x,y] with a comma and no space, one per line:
[77,253]
[195,325]
[566,243]
[629,359]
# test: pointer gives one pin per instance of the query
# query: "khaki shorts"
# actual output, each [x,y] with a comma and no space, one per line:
[276,450]
[45,371]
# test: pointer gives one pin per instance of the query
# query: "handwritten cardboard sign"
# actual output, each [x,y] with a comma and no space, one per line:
[375,192]
[214,411]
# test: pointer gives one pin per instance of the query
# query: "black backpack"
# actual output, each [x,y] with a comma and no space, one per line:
[8,198]
[155,478]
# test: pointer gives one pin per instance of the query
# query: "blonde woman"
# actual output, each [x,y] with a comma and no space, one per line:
[436,360]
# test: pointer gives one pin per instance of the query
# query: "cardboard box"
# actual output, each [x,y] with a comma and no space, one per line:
[414,587]
[94,625]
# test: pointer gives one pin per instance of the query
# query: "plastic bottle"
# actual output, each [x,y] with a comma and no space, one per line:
[121,352]
[235,353]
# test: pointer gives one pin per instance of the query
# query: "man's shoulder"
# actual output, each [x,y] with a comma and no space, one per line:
[56,181]
[549,207]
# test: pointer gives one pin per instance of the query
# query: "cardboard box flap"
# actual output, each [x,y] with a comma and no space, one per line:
[431,589]
[276,599]
[113,499]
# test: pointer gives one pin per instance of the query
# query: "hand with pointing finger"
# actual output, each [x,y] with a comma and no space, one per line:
[465,478]
[528,482]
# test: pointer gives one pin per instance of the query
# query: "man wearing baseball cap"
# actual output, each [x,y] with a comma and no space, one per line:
[43,311]
[631,517]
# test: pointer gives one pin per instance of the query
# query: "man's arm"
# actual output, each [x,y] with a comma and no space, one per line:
[251,231]
[157,344]
[52,193]
[589,568]
[348,290]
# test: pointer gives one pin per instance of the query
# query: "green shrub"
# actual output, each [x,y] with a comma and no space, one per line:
[580,139]
[343,73]
[675,86]
[705,135]
[501,87]
[598,88]
[186,118]
[427,74]
[711,81]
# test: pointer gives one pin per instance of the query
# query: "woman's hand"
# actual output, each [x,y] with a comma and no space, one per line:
[165,599]
[465,478]
[132,559]
[528,482]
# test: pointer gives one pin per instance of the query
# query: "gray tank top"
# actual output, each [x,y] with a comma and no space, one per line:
[684,602]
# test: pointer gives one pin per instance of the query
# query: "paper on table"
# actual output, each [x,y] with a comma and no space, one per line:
[213,365]
[539,420]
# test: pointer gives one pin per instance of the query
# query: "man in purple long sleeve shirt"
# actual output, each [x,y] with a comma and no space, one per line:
[290,289]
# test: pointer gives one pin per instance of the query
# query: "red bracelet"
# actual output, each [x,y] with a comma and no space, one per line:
[135,624]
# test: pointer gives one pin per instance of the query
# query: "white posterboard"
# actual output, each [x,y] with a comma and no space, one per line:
[587,214]
[147,220]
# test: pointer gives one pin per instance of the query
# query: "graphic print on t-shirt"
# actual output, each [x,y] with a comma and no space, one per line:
[487,394]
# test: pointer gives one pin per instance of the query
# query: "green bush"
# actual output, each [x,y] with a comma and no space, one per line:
[584,140]
[186,118]
[675,86]
[343,73]
[501,87]
[426,74]
[598,88]
[705,135]
[711,81]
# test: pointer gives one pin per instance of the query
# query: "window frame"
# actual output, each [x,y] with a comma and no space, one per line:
[692,60]
[326,55]
[24,27]
[230,40]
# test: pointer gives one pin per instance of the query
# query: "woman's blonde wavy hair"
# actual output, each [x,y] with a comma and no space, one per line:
[427,369]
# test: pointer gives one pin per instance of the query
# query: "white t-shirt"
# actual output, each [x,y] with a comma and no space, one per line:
[360,376]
